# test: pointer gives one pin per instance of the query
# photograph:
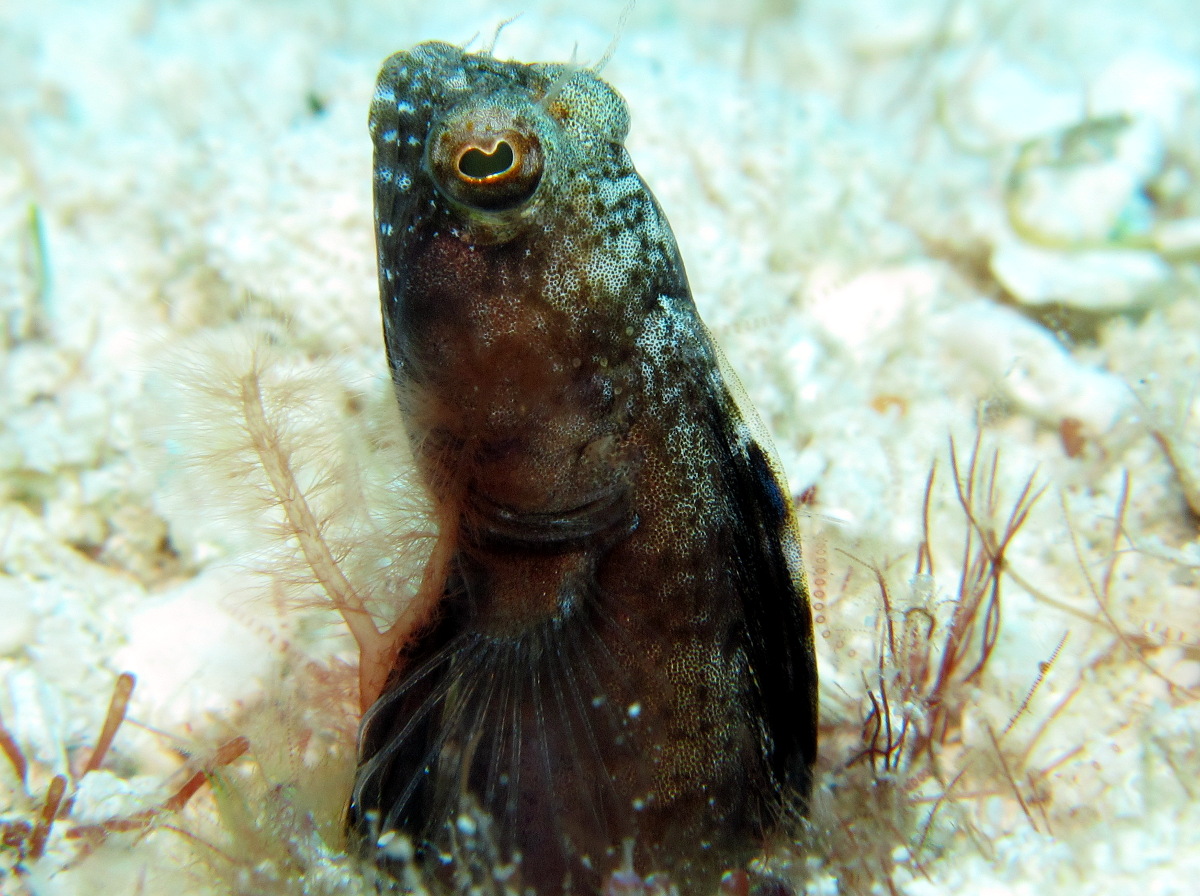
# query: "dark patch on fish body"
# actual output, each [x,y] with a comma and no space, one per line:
[623,645]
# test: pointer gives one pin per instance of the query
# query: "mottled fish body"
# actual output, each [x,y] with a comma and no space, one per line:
[616,644]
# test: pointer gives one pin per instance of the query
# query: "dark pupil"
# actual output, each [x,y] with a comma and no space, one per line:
[477,164]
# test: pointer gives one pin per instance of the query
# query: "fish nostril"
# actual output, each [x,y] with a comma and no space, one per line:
[476,164]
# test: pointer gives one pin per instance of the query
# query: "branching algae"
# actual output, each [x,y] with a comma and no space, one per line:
[613,644]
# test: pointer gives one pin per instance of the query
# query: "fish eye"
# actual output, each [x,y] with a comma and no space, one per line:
[486,160]
[476,164]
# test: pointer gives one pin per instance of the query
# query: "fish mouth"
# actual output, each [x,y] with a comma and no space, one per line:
[604,519]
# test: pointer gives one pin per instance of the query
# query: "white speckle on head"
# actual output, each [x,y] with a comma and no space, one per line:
[395,846]
[466,825]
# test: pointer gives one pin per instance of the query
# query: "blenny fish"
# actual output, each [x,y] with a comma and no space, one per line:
[611,660]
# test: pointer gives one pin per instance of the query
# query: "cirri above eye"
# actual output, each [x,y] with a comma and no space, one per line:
[486,158]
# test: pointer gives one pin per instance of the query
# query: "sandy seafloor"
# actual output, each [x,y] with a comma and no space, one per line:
[904,222]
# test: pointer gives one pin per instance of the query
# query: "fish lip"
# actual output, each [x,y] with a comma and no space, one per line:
[608,516]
